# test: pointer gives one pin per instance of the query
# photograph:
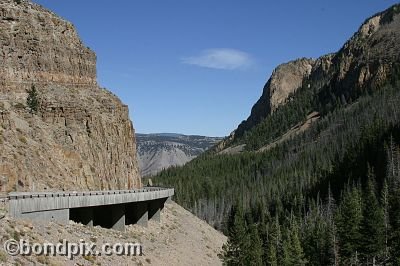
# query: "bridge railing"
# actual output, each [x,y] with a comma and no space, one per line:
[23,195]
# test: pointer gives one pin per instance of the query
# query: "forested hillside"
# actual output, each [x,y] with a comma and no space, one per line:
[327,195]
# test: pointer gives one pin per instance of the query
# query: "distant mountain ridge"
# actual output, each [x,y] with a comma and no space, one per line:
[159,151]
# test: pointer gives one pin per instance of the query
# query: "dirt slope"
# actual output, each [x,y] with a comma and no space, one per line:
[180,239]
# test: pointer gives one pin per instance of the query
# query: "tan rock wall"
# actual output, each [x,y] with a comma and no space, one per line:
[39,47]
[82,137]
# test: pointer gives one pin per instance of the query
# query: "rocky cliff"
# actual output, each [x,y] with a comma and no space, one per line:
[284,81]
[365,62]
[81,137]
[39,47]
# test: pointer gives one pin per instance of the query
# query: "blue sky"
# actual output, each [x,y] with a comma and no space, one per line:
[197,67]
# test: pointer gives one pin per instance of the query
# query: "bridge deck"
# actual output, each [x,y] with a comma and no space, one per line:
[19,195]
[57,205]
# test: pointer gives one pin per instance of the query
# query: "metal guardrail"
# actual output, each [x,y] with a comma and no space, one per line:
[25,195]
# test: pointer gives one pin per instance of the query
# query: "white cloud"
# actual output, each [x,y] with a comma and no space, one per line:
[229,59]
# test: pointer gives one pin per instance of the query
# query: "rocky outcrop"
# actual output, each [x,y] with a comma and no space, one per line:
[284,81]
[81,137]
[367,59]
[364,63]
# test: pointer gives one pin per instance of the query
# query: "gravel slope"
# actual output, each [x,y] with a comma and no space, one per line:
[180,239]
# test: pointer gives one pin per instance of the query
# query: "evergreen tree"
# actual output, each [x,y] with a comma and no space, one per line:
[372,225]
[385,208]
[272,255]
[292,250]
[234,252]
[273,243]
[348,220]
[254,251]
[394,203]
[333,242]
[32,100]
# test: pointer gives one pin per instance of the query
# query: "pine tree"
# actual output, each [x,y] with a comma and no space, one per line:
[234,252]
[292,250]
[32,100]
[313,231]
[254,251]
[372,225]
[332,241]
[274,244]
[385,208]
[272,255]
[394,202]
[394,215]
[348,220]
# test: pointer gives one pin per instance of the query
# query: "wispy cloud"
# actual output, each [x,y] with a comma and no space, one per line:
[224,58]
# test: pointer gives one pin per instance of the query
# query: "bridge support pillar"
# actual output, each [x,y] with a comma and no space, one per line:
[155,208]
[169,200]
[118,217]
[84,216]
[137,213]
[88,217]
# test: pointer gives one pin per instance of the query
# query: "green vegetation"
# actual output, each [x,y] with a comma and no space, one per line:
[355,232]
[32,101]
[330,195]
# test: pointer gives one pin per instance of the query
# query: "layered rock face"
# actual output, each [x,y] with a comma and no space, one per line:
[365,62]
[81,137]
[39,47]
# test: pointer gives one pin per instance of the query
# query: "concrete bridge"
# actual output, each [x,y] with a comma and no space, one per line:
[110,209]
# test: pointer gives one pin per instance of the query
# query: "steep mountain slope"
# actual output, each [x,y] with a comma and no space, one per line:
[81,136]
[362,65]
[160,151]
[353,96]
